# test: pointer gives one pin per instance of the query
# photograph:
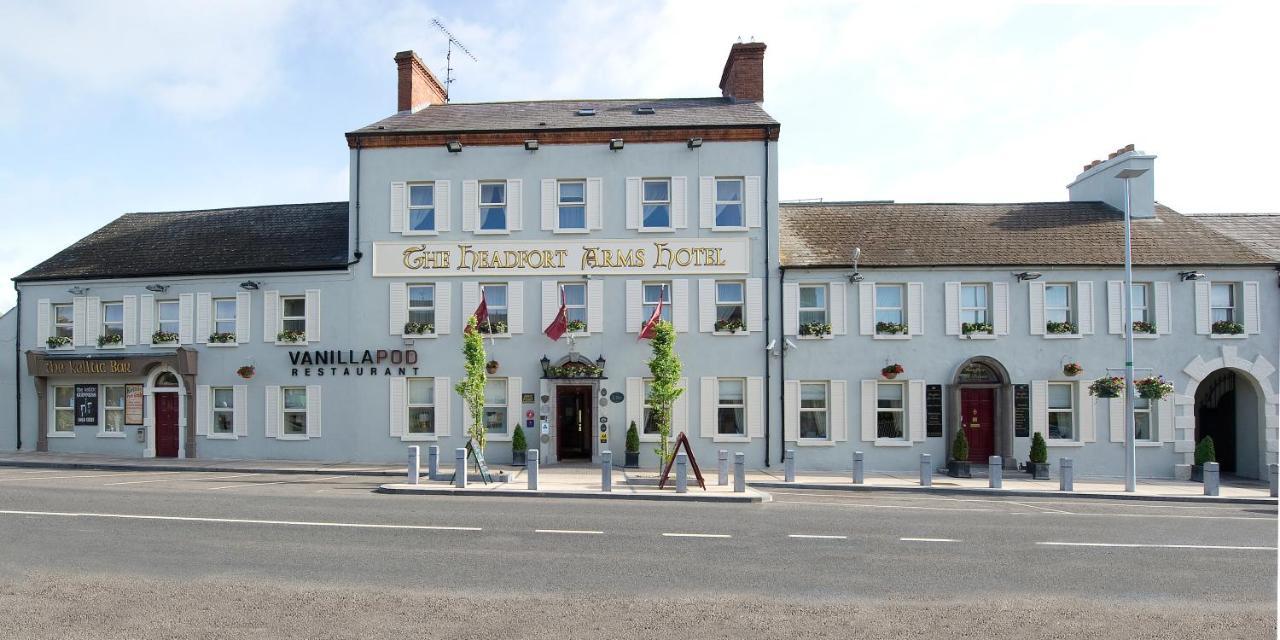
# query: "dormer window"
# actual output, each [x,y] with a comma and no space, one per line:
[586,111]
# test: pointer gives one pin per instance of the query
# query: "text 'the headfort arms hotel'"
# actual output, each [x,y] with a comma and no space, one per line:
[332,331]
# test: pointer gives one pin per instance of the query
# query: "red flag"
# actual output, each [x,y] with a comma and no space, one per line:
[561,322]
[647,330]
[482,312]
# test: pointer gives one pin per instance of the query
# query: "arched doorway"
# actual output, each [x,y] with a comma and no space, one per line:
[979,399]
[1228,409]
[165,390]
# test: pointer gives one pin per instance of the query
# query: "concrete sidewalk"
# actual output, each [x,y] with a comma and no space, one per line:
[46,460]
[581,481]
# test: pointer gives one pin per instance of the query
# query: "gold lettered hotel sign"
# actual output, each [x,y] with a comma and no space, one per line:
[560,257]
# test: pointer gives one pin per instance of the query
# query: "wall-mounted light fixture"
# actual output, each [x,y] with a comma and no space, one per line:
[1028,275]
[694,143]
[1191,275]
[250,285]
[530,145]
[600,362]
[615,144]
[78,291]
[453,146]
[157,288]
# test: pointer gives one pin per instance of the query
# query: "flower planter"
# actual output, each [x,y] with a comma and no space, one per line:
[1197,473]
[518,458]
[245,372]
[491,367]
[1038,470]
[959,469]
[633,460]
[1072,369]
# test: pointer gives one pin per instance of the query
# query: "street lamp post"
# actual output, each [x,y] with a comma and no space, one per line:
[1130,437]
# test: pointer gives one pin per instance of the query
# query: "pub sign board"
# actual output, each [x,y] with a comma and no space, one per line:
[1021,410]
[933,410]
[86,405]
[133,404]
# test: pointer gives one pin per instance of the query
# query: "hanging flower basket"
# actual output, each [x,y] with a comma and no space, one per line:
[1072,369]
[1153,387]
[1108,387]
[246,371]
[491,367]
[890,372]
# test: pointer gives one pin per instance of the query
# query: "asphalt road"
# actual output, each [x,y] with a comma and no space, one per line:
[100,554]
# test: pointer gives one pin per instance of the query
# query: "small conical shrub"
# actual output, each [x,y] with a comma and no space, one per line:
[633,438]
[1039,450]
[1205,452]
[518,442]
[960,447]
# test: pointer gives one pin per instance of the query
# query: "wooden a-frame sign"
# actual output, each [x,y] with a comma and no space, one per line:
[682,439]
[477,457]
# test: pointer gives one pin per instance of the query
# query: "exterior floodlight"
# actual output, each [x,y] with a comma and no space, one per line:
[453,146]
[1028,275]
[1191,275]
[694,143]
[530,145]
[249,285]
[157,288]
[615,144]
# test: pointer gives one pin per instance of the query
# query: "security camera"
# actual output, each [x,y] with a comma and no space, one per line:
[789,343]
[769,347]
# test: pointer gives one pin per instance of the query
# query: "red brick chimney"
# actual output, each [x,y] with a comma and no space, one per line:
[743,76]
[416,86]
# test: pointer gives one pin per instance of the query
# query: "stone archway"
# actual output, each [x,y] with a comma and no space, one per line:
[1252,378]
[983,375]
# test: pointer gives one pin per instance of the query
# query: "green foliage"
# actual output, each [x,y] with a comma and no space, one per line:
[1039,450]
[891,328]
[518,442]
[1060,328]
[665,367]
[960,446]
[968,328]
[633,438]
[818,329]
[471,387]
[1205,452]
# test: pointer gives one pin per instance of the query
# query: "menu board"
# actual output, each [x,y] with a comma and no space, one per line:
[133,404]
[86,405]
[933,410]
[1022,410]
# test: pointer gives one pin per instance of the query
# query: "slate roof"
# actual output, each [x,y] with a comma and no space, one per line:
[1013,234]
[1258,231]
[562,114]
[272,238]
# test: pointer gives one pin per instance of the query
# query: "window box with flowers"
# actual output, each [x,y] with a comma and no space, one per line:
[58,342]
[493,328]
[1140,326]
[978,328]
[222,338]
[732,325]
[1153,387]
[892,371]
[1072,369]
[576,326]
[891,328]
[291,336]
[1227,328]
[574,370]
[1107,387]
[111,340]
[419,329]
[164,338]
[1060,328]
[815,329]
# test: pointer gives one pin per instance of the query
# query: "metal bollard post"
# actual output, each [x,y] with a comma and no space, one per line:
[739,472]
[460,468]
[1066,474]
[995,472]
[433,462]
[1211,478]
[926,470]
[723,459]
[606,471]
[859,470]
[1275,479]
[414,467]
[682,481]
[789,465]
[531,468]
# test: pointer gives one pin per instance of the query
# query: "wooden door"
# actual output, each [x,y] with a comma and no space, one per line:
[166,425]
[573,423]
[978,419]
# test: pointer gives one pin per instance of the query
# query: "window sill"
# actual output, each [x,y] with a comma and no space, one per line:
[814,443]
[729,229]
[111,347]
[977,336]
[293,437]
[418,336]
[656,230]
[61,434]
[224,345]
[495,335]
[744,332]
[492,232]
[70,347]
[1062,336]
[885,442]
[891,336]
[1228,336]
[826,337]
[727,438]
[420,233]
[571,231]
[1149,445]
[1064,443]
[164,345]
[112,434]
[419,437]
[300,343]
[1144,336]
[221,436]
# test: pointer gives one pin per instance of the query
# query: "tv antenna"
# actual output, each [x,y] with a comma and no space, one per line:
[448,55]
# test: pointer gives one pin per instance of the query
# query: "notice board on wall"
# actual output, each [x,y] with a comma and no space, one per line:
[133,404]
[933,410]
[86,405]
[1022,410]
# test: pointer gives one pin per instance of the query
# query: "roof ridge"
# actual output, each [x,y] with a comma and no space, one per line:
[239,208]
[568,100]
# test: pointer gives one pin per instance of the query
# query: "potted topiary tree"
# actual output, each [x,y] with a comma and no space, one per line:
[518,447]
[958,465]
[1204,453]
[1038,461]
[633,447]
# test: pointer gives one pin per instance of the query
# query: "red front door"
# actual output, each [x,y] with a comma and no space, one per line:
[978,419]
[166,425]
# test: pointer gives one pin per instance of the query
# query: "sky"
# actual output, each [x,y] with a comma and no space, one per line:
[112,107]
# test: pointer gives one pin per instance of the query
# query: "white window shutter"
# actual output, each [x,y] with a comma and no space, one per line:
[915,308]
[708,400]
[550,302]
[595,306]
[1252,314]
[312,317]
[470,300]
[869,427]
[399,202]
[1035,307]
[751,200]
[595,203]
[203,303]
[470,205]
[635,306]
[1164,418]
[1084,308]
[680,305]
[44,321]
[93,320]
[1086,413]
[79,332]
[755,304]
[398,309]
[1115,418]
[313,411]
[867,308]
[444,210]
[146,317]
[513,403]
[839,410]
[1040,407]
[1000,307]
[270,315]
[791,309]
[706,305]
[131,320]
[550,198]
[185,324]
[633,203]
[707,202]
[444,307]
[515,204]
[1203,326]
[791,420]
[838,309]
[915,410]
[679,202]
[951,299]
[243,308]
[755,407]
[202,409]
[635,403]
[515,307]
[1164,315]
[1115,307]
[680,410]
[240,413]
[271,420]
[398,408]
[444,399]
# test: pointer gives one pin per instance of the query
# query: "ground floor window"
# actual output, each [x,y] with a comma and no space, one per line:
[813,410]
[1142,423]
[1061,411]
[113,408]
[295,411]
[224,406]
[731,407]
[890,410]
[495,405]
[422,409]
[64,411]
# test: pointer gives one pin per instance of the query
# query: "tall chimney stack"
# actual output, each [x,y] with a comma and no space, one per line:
[743,76]
[1098,182]
[416,86]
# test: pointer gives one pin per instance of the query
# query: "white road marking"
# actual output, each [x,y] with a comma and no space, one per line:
[696,535]
[294,523]
[811,536]
[581,531]
[263,484]
[927,540]
[160,473]
[99,475]
[1153,546]
[1045,509]
[875,506]
[241,475]
[1144,515]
